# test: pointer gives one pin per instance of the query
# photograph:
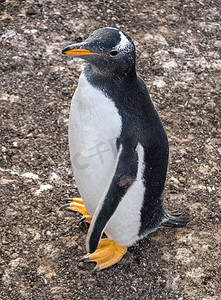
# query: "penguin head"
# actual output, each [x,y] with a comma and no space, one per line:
[108,49]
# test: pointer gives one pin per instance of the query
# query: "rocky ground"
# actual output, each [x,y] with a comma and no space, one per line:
[178,55]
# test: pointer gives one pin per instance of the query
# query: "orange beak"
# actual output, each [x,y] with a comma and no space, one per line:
[79,52]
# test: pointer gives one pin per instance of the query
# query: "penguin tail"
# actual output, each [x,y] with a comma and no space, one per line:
[174,219]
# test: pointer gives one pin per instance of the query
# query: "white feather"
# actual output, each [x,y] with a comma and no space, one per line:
[94,125]
[124,42]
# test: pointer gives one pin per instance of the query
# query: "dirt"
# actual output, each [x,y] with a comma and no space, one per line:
[178,55]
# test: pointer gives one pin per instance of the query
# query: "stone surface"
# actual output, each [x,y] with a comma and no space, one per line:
[178,49]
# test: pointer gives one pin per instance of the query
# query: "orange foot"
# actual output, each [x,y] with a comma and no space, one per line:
[107,254]
[77,204]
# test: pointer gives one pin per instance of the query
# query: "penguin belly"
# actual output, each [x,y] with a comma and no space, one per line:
[94,126]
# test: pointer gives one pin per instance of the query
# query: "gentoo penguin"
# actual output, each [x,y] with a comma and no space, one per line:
[119,149]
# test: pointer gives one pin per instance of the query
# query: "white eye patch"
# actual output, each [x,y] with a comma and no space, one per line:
[124,42]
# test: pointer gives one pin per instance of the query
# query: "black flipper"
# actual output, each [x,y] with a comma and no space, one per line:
[125,175]
[174,219]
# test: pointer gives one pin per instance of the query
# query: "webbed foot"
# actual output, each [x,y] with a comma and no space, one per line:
[107,254]
[77,204]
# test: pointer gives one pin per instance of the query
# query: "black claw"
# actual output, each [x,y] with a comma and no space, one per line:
[81,220]
[64,206]
[95,270]
[175,213]
[174,220]
[83,259]
[68,199]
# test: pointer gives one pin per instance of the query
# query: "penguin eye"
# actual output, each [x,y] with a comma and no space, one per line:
[113,53]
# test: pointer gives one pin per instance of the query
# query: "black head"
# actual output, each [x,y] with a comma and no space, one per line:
[108,49]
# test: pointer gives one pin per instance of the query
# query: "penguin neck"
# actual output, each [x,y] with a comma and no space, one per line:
[105,80]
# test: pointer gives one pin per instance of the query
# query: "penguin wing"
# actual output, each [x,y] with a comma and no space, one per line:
[124,176]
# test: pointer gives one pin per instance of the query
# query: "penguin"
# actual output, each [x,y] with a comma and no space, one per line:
[118,147]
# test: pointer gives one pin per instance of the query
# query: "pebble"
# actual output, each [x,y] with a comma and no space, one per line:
[14,255]
[170,64]
[15,144]
[158,82]
[43,187]
[30,175]
[182,179]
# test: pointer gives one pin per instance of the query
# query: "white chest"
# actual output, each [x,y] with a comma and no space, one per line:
[94,126]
